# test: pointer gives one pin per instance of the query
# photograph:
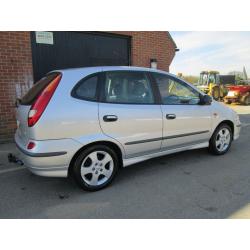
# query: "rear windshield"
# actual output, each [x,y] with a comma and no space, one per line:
[38,87]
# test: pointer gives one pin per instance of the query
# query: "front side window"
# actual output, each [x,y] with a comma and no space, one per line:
[128,87]
[174,92]
[86,88]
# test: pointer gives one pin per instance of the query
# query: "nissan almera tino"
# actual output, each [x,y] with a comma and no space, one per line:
[89,122]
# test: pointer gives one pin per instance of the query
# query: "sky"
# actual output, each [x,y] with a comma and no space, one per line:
[224,51]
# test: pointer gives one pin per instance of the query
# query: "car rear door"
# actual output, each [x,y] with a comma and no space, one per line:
[128,112]
[185,121]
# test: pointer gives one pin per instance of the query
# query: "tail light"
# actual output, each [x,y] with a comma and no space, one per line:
[42,101]
[31,145]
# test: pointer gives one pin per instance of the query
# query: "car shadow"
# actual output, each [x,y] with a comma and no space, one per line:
[166,163]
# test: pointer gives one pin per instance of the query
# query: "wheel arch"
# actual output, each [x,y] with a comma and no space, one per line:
[229,123]
[114,146]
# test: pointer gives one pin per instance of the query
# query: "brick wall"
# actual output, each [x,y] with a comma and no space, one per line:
[148,45]
[16,74]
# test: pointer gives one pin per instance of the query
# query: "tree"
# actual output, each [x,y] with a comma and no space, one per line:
[191,79]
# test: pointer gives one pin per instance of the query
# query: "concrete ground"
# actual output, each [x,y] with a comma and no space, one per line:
[191,184]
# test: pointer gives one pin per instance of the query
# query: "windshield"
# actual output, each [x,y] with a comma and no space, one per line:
[203,79]
[212,79]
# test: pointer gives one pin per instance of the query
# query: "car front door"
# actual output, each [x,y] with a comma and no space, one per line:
[128,112]
[185,121]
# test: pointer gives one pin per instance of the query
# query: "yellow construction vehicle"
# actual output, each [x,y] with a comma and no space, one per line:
[210,82]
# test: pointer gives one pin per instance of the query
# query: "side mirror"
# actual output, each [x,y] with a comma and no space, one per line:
[205,100]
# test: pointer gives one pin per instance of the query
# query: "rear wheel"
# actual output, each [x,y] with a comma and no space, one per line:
[246,100]
[221,140]
[95,167]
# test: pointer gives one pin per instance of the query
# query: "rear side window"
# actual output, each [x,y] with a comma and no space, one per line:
[128,88]
[86,88]
[38,87]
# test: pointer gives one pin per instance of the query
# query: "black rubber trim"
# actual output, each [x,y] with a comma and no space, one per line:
[188,134]
[166,137]
[41,154]
[143,141]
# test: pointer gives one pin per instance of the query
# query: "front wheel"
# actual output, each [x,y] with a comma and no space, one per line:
[221,140]
[95,167]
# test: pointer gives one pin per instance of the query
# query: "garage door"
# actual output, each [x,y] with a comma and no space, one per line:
[60,50]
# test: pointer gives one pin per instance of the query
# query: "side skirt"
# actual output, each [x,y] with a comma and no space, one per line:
[130,161]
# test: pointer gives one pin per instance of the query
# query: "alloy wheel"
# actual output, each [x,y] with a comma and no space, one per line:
[97,168]
[223,139]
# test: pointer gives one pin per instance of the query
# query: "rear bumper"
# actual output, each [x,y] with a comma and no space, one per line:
[49,158]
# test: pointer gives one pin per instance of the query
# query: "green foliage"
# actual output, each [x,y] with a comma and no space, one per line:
[191,79]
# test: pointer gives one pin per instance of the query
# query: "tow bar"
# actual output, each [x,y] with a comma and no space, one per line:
[13,159]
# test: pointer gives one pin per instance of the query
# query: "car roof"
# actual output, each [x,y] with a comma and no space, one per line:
[110,68]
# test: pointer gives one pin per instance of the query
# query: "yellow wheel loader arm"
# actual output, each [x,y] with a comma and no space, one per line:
[210,87]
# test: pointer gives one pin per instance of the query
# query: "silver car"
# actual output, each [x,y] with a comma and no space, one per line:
[89,122]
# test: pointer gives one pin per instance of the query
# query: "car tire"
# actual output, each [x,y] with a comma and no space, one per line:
[221,140]
[246,100]
[95,167]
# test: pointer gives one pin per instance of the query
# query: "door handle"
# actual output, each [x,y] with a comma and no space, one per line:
[170,116]
[110,118]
